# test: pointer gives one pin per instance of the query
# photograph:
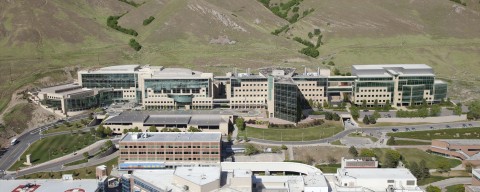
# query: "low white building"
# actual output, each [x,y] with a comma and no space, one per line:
[374,179]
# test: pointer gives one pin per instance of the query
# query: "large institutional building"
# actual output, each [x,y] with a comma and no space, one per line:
[282,91]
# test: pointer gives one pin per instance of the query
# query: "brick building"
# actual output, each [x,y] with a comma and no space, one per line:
[468,150]
[170,149]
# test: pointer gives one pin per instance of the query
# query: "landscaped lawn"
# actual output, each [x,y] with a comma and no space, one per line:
[374,139]
[82,173]
[336,142]
[456,188]
[328,168]
[457,133]
[408,142]
[53,147]
[294,134]
[411,154]
[77,162]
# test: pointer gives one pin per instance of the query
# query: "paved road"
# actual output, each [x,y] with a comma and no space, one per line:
[372,130]
[14,152]
[57,164]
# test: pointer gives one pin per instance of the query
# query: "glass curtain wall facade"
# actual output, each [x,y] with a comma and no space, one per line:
[178,86]
[114,80]
[412,88]
[287,104]
[440,91]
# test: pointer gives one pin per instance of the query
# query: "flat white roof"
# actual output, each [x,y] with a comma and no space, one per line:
[49,185]
[382,66]
[120,68]
[159,178]
[199,175]
[376,173]
[272,166]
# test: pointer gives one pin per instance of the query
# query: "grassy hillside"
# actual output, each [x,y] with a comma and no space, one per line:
[40,36]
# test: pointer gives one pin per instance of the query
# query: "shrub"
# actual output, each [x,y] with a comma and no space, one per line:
[304,42]
[310,51]
[132,3]
[278,31]
[148,20]
[112,22]
[135,45]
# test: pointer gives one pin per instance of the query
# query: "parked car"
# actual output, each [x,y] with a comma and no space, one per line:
[407,129]
[470,125]
[431,127]
[464,125]
[448,126]
[394,129]
[413,128]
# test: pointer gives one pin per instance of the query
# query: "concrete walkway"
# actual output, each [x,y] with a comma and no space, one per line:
[449,182]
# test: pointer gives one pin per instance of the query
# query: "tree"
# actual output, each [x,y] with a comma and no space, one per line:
[193,129]
[175,130]
[474,110]
[425,170]
[86,155]
[101,131]
[353,151]
[457,110]
[387,106]
[355,112]
[364,104]
[391,141]
[229,137]
[245,138]
[165,129]
[415,170]
[423,112]
[107,132]
[250,149]
[443,166]
[435,110]
[240,122]
[336,71]
[366,120]
[325,104]
[125,131]
[375,103]
[431,188]
[372,120]
[152,129]
[336,117]
[328,116]
[284,147]
[92,131]
[367,153]
[392,158]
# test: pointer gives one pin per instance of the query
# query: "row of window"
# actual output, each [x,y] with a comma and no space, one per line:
[306,84]
[129,91]
[250,95]
[170,146]
[371,101]
[201,101]
[169,153]
[309,90]
[373,90]
[248,102]
[166,102]
[254,84]
[312,95]
[131,96]
[387,95]
[252,90]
